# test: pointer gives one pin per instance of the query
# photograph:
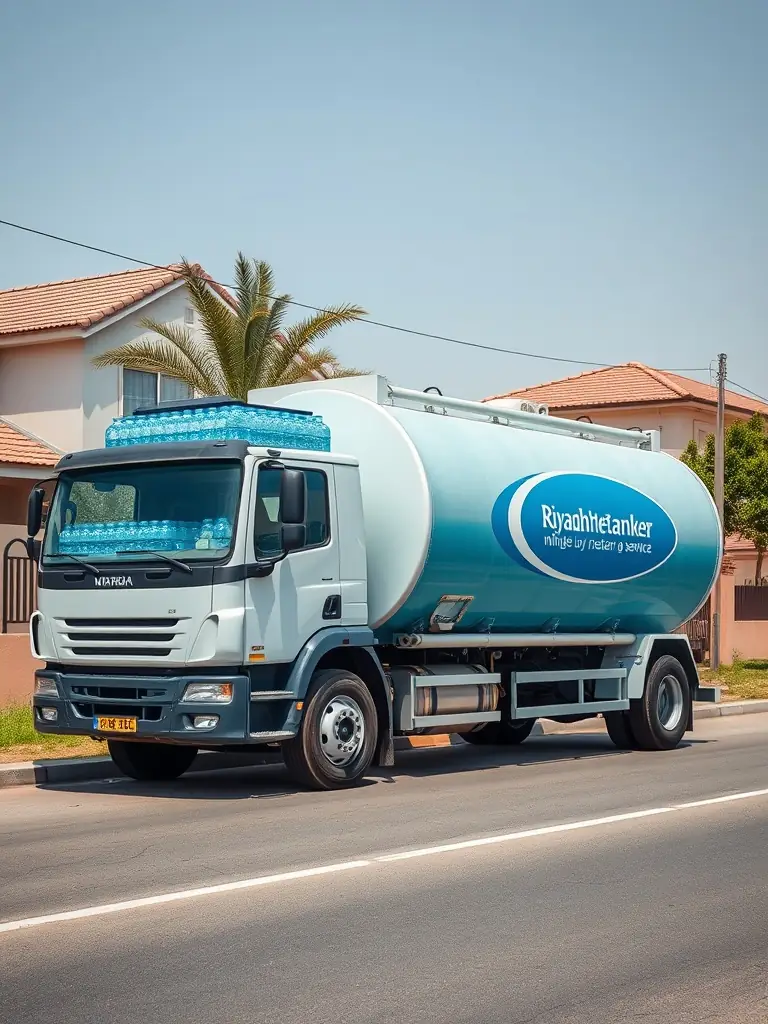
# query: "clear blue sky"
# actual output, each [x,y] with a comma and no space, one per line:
[579,178]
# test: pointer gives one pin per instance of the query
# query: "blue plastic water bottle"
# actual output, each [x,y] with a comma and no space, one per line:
[222,533]
[205,537]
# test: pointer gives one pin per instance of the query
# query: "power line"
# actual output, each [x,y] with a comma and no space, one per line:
[754,394]
[320,309]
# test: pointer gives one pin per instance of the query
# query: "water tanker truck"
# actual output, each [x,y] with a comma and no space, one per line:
[336,564]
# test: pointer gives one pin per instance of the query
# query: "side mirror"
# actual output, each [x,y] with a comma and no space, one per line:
[293,498]
[35,512]
[293,537]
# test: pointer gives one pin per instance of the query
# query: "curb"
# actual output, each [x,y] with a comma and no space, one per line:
[736,707]
[58,771]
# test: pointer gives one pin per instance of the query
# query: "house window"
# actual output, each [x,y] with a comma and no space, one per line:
[189,316]
[141,389]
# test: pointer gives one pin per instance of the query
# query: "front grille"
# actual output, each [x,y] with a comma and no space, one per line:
[145,713]
[128,652]
[138,637]
[117,623]
[122,638]
[116,692]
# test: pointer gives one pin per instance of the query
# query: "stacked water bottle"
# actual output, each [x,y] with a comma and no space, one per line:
[106,539]
[261,427]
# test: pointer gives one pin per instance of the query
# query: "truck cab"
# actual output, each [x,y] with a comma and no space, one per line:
[178,583]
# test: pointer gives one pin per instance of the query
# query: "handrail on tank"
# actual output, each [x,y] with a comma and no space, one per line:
[424,640]
[525,420]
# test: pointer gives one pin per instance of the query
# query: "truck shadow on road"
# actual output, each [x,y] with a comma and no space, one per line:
[260,781]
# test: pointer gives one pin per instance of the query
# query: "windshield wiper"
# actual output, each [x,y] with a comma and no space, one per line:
[160,554]
[80,561]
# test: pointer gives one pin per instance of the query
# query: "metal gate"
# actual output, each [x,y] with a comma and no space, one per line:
[698,629]
[19,585]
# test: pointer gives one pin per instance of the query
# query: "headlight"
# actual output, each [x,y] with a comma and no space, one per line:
[208,693]
[46,687]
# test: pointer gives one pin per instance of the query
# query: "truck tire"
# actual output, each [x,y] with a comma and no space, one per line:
[501,734]
[618,726]
[151,762]
[337,739]
[659,718]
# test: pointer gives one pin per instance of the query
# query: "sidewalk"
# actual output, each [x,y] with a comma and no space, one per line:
[64,770]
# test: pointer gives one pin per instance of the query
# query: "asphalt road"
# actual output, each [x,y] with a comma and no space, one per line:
[657,917]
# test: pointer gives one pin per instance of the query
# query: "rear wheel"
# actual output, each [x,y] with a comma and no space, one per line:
[151,762]
[659,718]
[336,743]
[501,734]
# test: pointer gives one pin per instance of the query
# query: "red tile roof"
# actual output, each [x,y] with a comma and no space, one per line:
[628,384]
[22,449]
[84,301]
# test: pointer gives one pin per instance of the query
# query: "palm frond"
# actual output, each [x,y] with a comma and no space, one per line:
[200,355]
[265,284]
[159,356]
[245,283]
[260,338]
[337,370]
[220,325]
[305,365]
[320,324]
[299,338]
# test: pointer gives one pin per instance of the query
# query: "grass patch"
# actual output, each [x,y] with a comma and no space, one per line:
[743,680]
[20,742]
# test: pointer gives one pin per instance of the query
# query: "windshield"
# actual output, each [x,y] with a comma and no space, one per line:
[186,510]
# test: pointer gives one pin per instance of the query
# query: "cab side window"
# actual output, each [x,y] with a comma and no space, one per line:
[267,514]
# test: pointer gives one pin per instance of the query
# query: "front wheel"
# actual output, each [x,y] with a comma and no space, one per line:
[151,762]
[336,743]
[659,718]
[501,734]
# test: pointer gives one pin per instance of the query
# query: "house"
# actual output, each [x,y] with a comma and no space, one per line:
[633,395]
[50,334]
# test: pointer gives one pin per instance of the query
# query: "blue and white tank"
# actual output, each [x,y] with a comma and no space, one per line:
[538,528]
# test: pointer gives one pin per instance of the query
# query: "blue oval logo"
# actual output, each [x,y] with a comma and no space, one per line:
[582,528]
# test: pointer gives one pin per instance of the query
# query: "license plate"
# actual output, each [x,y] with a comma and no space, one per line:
[112,723]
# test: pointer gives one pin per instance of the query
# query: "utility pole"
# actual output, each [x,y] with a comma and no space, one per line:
[719,500]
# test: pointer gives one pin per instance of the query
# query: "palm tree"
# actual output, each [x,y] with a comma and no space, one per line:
[245,344]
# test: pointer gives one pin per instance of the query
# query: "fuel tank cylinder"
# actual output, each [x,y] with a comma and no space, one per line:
[535,530]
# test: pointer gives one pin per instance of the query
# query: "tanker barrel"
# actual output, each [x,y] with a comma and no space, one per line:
[512,528]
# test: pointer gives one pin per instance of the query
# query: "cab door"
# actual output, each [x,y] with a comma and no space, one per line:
[302,594]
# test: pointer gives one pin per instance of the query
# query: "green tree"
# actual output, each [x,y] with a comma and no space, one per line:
[745,489]
[244,341]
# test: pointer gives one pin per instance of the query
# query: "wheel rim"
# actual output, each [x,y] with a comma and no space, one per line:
[342,730]
[670,702]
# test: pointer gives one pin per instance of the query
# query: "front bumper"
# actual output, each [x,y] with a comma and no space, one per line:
[154,700]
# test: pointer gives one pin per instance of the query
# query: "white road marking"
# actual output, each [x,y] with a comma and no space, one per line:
[529,833]
[351,865]
[184,894]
